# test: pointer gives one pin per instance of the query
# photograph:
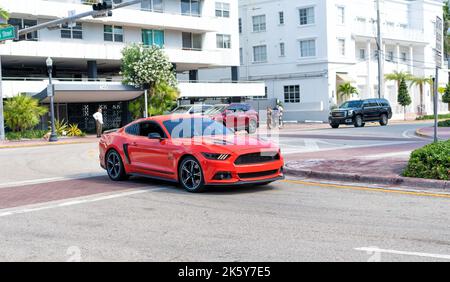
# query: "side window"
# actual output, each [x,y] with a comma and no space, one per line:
[132,129]
[366,104]
[145,128]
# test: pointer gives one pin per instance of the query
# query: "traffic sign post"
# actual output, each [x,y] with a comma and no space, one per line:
[7,33]
[438,50]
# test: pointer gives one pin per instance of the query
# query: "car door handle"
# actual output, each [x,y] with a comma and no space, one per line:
[134,144]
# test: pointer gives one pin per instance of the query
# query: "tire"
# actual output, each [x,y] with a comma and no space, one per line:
[114,166]
[191,175]
[359,121]
[384,120]
[252,126]
[334,125]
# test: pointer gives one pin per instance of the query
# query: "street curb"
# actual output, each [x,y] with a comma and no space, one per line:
[420,134]
[352,177]
[17,146]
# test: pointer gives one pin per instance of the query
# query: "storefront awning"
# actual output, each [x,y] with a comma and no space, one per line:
[345,77]
[90,92]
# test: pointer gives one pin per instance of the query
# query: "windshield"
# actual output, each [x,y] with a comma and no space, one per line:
[351,104]
[193,127]
[215,110]
[181,110]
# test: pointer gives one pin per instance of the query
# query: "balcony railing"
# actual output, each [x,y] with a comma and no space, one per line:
[388,32]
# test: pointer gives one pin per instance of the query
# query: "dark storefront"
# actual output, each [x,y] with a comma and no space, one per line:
[76,104]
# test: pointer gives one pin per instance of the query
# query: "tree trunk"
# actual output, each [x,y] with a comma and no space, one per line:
[404,112]
[421,100]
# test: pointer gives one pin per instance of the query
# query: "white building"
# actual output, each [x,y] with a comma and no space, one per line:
[195,34]
[304,49]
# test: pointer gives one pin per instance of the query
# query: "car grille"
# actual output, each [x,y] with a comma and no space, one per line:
[255,158]
[338,114]
[257,174]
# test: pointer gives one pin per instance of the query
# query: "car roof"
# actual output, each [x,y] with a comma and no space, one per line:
[169,117]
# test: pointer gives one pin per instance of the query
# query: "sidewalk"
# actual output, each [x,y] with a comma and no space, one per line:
[42,142]
[428,132]
[376,165]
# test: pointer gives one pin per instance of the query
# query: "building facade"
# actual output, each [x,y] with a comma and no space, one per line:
[304,50]
[195,34]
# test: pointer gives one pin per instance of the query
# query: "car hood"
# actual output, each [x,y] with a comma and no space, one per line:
[231,144]
[344,109]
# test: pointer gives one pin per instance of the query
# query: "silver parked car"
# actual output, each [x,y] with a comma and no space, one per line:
[191,109]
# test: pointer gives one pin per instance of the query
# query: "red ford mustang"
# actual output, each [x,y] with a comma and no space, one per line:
[192,150]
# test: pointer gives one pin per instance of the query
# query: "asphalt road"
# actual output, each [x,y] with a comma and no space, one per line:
[48,213]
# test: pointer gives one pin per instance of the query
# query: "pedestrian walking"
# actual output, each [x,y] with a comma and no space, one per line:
[280,115]
[269,118]
[98,116]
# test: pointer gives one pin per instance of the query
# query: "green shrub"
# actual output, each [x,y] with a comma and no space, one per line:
[22,112]
[431,162]
[428,117]
[444,123]
[29,134]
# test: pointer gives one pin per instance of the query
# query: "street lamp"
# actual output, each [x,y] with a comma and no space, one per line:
[53,135]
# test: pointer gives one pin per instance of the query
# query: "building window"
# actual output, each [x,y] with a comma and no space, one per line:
[308,48]
[341,15]
[192,41]
[281,18]
[21,24]
[75,32]
[306,16]
[190,8]
[153,37]
[292,94]
[223,41]
[240,25]
[403,57]
[113,33]
[362,54]
[390,56]
[260,54]
[152,5]
[341,46]
[222,10]
[282,49]
[259,23]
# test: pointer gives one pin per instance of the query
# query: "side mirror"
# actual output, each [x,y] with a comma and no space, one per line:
[155,135]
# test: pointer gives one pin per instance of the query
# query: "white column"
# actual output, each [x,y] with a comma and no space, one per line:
[369,90]
[398,57]
[411,58]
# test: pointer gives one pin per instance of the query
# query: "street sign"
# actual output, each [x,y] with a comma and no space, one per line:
[439,38]
[71,24]
[7,33]
[50,90]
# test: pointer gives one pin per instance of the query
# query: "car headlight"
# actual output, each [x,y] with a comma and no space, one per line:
[216,157]
[350,112]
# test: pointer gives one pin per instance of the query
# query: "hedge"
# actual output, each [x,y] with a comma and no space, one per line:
[444,123]
[431,162]
[428,117]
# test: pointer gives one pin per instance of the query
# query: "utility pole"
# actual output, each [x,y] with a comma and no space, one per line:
[2,123]
[379,52]
[438,57]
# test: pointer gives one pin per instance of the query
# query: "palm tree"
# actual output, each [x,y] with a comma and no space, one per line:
[4,14]
[420,82]
[398,77]
[347,90]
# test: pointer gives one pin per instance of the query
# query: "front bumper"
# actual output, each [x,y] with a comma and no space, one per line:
[341,120]
[248,182]
[242,174]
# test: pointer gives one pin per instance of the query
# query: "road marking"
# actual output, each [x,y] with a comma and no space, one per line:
[362,188]
[84,200]
[47,180]
[417,254]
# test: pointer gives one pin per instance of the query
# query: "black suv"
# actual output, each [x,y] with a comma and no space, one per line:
[361,111]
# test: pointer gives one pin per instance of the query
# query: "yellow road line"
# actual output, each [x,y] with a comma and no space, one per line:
[361,188]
